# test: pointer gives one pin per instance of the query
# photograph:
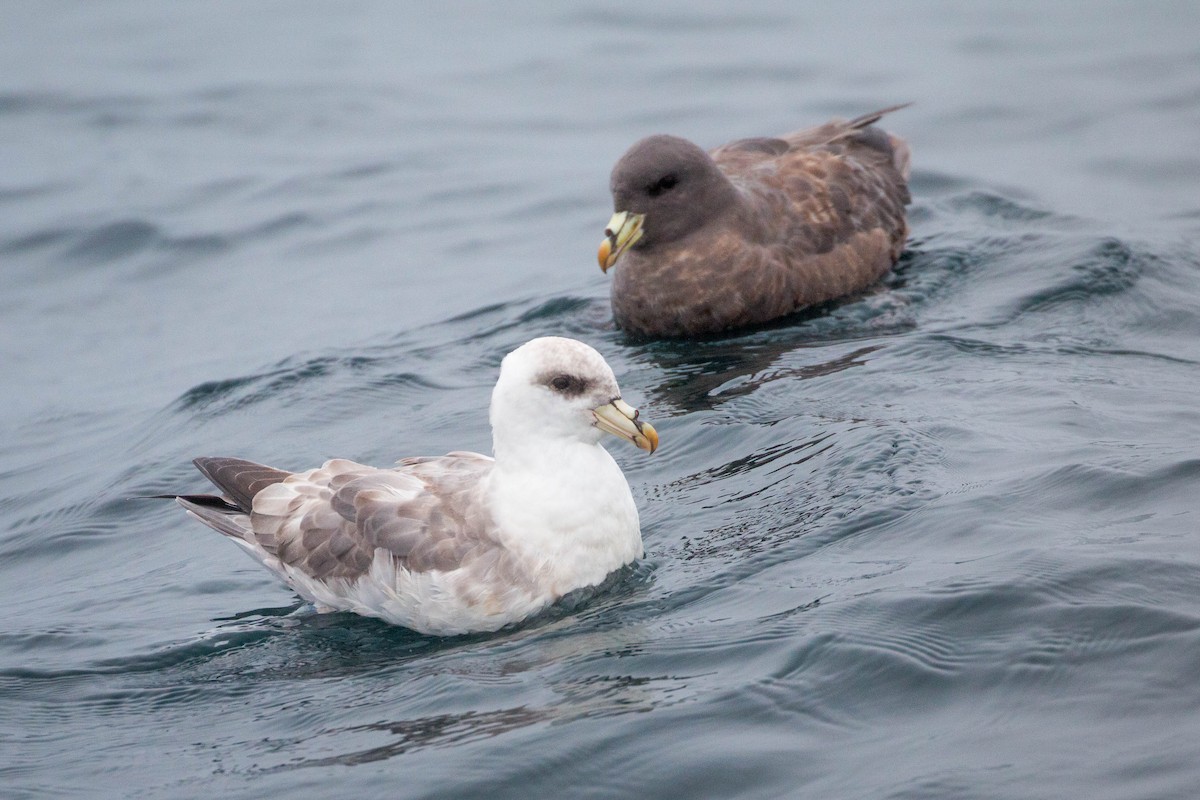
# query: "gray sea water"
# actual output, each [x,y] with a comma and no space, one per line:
[937,541]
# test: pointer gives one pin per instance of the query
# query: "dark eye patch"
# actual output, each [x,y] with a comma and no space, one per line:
[568,385]
[663,184]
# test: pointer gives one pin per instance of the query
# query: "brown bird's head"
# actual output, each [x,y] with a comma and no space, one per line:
[663,188]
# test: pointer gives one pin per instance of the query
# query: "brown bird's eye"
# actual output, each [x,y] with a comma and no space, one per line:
[663,184]
[561,382]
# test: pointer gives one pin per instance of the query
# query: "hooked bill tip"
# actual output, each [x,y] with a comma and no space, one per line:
[647,437]
[605,253]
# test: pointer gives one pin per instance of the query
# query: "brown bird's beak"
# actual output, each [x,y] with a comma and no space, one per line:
[621,419]
[623,231]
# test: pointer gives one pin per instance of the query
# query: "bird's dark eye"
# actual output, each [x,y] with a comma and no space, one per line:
[566,384]
[663,184]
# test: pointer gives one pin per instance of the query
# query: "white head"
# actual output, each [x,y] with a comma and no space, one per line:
[556,389]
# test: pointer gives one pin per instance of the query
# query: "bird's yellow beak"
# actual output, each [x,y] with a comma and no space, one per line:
[623,231]
[621,419]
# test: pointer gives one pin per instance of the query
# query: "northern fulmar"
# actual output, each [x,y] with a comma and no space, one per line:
[755,229]
[462,542]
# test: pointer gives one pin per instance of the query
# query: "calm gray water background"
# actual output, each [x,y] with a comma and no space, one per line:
[939,541]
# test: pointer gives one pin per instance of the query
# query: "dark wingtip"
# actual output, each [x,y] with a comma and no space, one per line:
[209,501]
[238,478]
[206,500]
[208,465]
[874,116]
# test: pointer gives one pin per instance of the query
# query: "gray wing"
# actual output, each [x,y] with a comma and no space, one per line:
[239,481]
[428,513]
[238,478]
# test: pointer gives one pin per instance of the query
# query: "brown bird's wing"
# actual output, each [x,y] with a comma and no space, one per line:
[759,144]
[828,213]
[837,128]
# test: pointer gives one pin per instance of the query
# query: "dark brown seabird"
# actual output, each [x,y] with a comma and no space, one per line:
[755,229]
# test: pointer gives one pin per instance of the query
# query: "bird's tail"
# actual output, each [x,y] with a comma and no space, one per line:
[881,140]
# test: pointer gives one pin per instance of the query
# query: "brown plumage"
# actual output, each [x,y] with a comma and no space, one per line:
[757,228]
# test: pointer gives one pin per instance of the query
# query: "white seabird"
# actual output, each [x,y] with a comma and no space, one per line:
[462,542]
